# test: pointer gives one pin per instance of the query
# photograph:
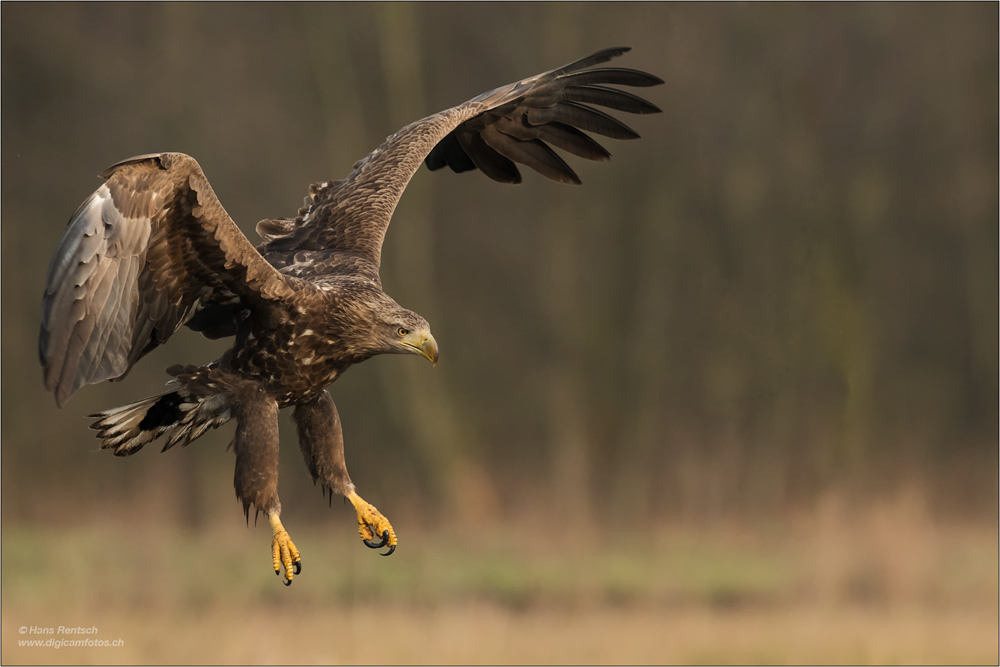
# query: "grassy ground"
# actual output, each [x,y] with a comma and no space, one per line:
[476,633]
[885,586]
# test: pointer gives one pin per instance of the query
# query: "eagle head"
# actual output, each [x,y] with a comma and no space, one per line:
[401,331]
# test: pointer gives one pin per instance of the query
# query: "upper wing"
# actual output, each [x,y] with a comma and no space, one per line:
[343,227]
[139,256]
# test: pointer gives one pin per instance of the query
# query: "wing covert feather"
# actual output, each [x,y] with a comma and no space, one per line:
[137,259]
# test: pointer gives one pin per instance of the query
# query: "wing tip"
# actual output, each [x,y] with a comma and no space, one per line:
[62,396]
[596,58]
[164,160]
[610,52]
[107,173]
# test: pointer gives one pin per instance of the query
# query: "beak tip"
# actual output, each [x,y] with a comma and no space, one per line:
[432,348]
[425,346]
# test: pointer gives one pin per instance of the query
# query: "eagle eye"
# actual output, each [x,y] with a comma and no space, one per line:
[402,332]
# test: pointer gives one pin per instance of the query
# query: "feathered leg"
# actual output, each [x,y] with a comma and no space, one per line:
[322,442]
[256,479]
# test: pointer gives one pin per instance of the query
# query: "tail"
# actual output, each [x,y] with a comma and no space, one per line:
[180,415]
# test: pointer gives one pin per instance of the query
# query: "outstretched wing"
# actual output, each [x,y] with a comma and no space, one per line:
[341,231]
[139,257]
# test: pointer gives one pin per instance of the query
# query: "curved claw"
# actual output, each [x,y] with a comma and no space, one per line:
[372,525]
[283,551]
[392,548]
[378,545]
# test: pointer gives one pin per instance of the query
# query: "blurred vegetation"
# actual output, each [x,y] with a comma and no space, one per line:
[884,584]
[788,285]
[841,560]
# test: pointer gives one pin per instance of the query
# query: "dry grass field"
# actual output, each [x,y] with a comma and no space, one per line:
[485,632]
[882,584]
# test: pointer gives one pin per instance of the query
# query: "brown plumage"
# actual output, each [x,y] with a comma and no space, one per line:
[153,250]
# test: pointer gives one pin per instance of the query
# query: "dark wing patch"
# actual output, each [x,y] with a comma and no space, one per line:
[138,259]
[344,222]
[449,152]
[488,159]
[550,109]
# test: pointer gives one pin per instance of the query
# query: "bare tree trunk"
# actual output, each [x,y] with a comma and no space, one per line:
[645,353]
[567,400]
[336,80]
[561,249]
[441,436]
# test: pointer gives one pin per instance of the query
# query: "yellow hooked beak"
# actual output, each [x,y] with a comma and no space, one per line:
[423,343]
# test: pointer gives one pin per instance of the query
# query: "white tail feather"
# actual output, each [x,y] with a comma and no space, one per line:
[177,414]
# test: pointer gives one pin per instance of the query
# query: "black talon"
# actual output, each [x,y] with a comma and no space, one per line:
[298,566]
[389,552]
[287,582]
[277,572]
[373,545]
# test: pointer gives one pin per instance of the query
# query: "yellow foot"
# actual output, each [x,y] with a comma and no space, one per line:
[372,524]
[283,551]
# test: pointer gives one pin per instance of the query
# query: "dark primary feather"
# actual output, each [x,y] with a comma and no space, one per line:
[611,98]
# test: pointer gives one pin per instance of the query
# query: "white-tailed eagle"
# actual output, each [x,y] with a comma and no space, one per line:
[153,250]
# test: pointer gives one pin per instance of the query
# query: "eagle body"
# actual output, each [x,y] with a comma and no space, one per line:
[296,351]
[153,249]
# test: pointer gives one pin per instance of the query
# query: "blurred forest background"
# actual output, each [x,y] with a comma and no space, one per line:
[764,336]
